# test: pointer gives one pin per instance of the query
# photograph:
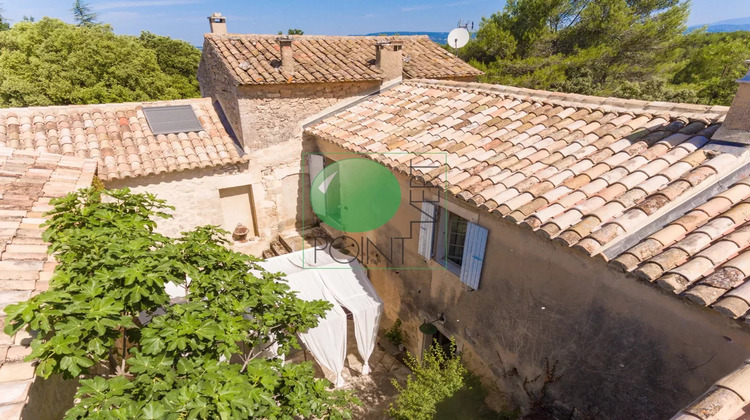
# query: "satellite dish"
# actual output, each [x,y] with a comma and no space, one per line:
[458,37]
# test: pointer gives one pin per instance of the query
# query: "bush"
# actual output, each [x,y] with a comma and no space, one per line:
[432,380]
[395,335]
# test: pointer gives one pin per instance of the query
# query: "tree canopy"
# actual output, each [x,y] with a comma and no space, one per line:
[201,358]
[50,62]
[626,48]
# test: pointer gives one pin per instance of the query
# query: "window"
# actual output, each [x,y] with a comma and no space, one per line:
[456,238]
[453,241]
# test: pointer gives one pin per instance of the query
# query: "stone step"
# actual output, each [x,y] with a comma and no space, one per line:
[278,249]
[268,254]
[293,240]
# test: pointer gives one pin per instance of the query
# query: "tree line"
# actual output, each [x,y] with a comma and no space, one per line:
[50,62]
[624,48]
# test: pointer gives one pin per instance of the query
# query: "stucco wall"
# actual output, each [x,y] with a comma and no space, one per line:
[274,175]
[49,399]
[619,348]
[273,113]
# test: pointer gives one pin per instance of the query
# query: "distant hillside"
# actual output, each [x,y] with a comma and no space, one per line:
[729,25]
[439,37]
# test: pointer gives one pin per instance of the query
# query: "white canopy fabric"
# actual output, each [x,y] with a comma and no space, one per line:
[353,290]
[327,341]
[333,278]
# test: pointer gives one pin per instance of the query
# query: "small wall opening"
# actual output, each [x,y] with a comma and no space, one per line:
[237,208]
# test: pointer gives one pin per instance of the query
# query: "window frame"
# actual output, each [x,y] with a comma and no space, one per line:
[441,240]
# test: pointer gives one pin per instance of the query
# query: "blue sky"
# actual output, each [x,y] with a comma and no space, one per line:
[186,19]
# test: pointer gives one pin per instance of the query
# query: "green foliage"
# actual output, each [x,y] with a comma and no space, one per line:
[395,334]
[295,32]
[630,48]
[83,14]
[50,62]
[177,59]
[432,380]
[113,267]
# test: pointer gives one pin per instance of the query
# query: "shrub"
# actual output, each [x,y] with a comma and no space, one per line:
[395,334]
[432,380]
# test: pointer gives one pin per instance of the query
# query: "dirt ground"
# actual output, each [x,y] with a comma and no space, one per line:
[375,390]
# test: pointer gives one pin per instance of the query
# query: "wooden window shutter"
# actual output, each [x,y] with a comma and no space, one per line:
[473,259]
[427,229]
[316,164]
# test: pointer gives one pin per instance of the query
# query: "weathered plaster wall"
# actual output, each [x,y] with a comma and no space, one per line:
[274,173]
[273,113]
[50,398]
[620,349]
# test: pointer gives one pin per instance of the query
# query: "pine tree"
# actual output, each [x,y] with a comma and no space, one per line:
[4,25]
[83,14]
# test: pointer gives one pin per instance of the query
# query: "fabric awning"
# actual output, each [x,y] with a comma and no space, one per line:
[344,284]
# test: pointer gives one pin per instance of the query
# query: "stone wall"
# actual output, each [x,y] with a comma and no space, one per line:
[267,120]
[273,175]
[216,82]
[273,114]
[555,328]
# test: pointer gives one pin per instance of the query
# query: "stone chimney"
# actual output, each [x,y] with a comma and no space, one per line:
[389,60]
[218,23]
[736,126]
[287,54]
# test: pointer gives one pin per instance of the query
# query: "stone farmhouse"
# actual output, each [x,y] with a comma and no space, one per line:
[589,255]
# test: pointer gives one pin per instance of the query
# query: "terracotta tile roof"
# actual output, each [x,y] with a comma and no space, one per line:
[703,255]
[255,59]
[586,172]
[119,138]
[725,400]
[583,171]
[28,181]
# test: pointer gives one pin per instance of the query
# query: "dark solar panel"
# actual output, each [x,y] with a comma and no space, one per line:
[172,119]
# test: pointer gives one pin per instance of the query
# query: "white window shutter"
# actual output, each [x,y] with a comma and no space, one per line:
[473,259]
[316,164]
[427,229]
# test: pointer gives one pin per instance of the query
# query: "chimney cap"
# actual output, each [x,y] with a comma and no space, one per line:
[396,44]
[284,38]
[217,17]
